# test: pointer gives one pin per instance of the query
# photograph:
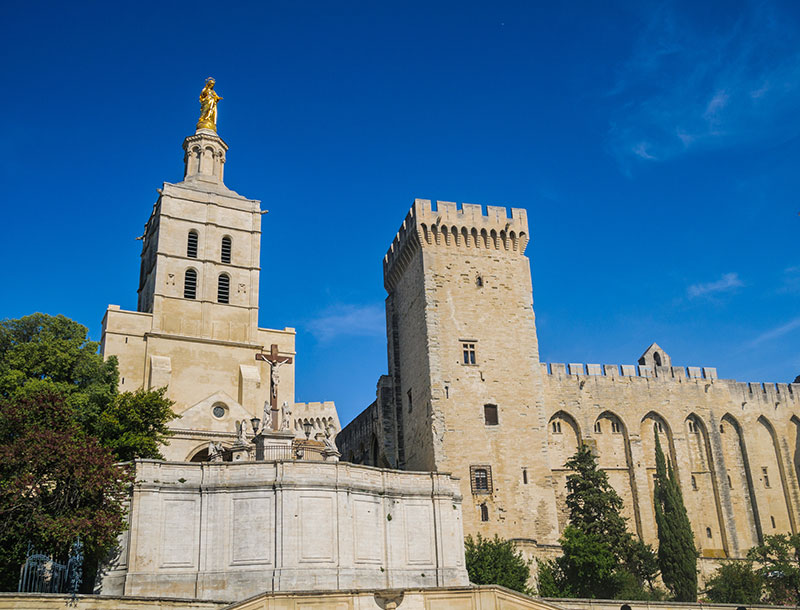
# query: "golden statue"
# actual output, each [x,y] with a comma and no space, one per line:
[208,106]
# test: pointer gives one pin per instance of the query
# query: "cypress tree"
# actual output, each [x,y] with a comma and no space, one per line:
[677,556]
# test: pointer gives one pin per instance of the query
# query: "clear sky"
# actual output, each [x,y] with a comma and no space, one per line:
[655,145]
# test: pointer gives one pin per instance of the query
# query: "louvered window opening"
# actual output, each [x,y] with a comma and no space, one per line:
[223,288]
[190,284]
[226,250]
[191,245]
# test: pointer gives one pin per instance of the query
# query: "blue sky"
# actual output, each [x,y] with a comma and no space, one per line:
[656,147]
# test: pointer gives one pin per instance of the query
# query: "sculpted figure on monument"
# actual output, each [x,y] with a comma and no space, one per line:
[286,417]
[208,106]
[241,432]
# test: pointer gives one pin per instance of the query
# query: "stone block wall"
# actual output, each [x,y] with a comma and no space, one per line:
[231,530]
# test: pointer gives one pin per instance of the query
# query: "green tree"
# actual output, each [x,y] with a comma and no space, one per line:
[53,352]
[778,559]
[600,556]
[677,555]
[42,353]
[56,483]
[496,562]
[735,582]
[135,424]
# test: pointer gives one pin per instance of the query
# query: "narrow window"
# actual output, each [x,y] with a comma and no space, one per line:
[657,358]
[708,532]
[524,476]
[721,429]
[658,427]
[190,284]
[766,476]
[729,481]
[468,350]
[225,256]
[410,403]
[771,518]
[123,380]
[490,415]
[223,288]
[447,391]
[484,512]
[481,479]
[597,428]
[692,427]
[615,427]
[191,244]
[694,483]
[479,282]
[556,427]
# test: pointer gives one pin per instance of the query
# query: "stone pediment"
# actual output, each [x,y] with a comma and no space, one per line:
[201,416]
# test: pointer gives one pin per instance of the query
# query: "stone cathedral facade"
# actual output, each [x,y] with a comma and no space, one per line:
[466,393]
[195,330]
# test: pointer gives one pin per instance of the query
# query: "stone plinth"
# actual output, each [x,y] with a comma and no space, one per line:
[231,530]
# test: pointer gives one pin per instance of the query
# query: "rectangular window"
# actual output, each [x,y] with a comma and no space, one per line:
[481,479]
[556,427]
[410,403]
[468,353]
[524,476]
[615,427]
[765,475]
[490,415]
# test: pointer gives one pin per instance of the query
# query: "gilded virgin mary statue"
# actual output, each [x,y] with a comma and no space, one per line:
[208,106]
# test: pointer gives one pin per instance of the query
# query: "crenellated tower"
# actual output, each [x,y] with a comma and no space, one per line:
[463,355]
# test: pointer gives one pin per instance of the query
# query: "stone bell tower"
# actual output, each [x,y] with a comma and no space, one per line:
[196,330]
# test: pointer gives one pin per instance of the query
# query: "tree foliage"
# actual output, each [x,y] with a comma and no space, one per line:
[62,427]
[677,555]
[601,558]
[496,562]
[56,483]
[778,559]
[41,353]
[735,582]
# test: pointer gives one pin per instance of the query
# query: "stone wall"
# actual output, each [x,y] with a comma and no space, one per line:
[459,275]
[231,530]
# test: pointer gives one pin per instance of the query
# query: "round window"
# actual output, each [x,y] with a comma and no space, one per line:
[218,411]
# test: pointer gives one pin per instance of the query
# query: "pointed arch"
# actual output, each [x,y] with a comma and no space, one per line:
[738,478]
[610,435]
[563,440]
[703,475]
[772,487]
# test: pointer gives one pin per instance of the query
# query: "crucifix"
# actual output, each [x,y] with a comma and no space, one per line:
[275,363]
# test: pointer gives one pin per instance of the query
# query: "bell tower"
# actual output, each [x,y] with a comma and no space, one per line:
[195,330]
[200,251]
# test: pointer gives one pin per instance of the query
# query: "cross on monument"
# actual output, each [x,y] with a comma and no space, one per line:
[275,361]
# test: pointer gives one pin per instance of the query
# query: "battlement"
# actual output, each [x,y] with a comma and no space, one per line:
[755,392]
[448,225]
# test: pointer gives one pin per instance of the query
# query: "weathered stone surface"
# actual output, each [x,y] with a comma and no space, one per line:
[232,530]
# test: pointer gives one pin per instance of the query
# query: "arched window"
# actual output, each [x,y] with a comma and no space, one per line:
[191,245]
[223,288]
[225,250]
[190,284]
[484,512]
[657,358]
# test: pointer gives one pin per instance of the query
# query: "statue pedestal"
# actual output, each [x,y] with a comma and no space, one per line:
[240,452]
[330,455]
[272,445]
